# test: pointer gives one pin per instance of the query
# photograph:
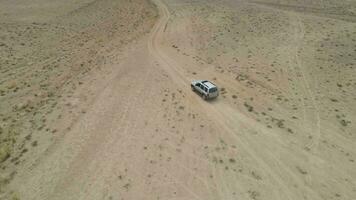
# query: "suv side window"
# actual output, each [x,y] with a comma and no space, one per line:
[202,87]
[198,84]
[206,89]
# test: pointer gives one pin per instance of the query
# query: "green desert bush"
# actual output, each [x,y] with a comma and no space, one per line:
[4,153]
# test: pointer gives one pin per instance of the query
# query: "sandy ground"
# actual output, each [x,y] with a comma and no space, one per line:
[282,128]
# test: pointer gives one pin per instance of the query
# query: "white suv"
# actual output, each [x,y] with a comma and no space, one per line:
[205,88]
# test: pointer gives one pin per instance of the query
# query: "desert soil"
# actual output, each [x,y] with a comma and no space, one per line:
[95,99]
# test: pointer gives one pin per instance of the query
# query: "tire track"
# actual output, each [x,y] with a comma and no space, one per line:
[315,132]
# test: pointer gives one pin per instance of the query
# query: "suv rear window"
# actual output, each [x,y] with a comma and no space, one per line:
[211,90]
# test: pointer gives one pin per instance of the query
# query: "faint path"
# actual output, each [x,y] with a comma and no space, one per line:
[315,131]
[300,74]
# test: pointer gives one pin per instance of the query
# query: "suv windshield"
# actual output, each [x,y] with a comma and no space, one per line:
[212,90]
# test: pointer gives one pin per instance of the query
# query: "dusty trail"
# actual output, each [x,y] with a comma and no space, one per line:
[239,126]
[229,119]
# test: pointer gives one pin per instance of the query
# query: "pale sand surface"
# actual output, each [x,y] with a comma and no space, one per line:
[129,127]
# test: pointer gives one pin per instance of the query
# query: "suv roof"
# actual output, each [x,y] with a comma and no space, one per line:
[208,84]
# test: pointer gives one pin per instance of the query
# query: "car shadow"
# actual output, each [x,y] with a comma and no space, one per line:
[212,101]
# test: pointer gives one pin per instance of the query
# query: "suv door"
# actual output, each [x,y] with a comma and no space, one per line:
[197,87]
[203,89]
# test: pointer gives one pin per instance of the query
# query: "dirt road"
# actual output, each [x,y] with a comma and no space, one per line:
[147,136]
